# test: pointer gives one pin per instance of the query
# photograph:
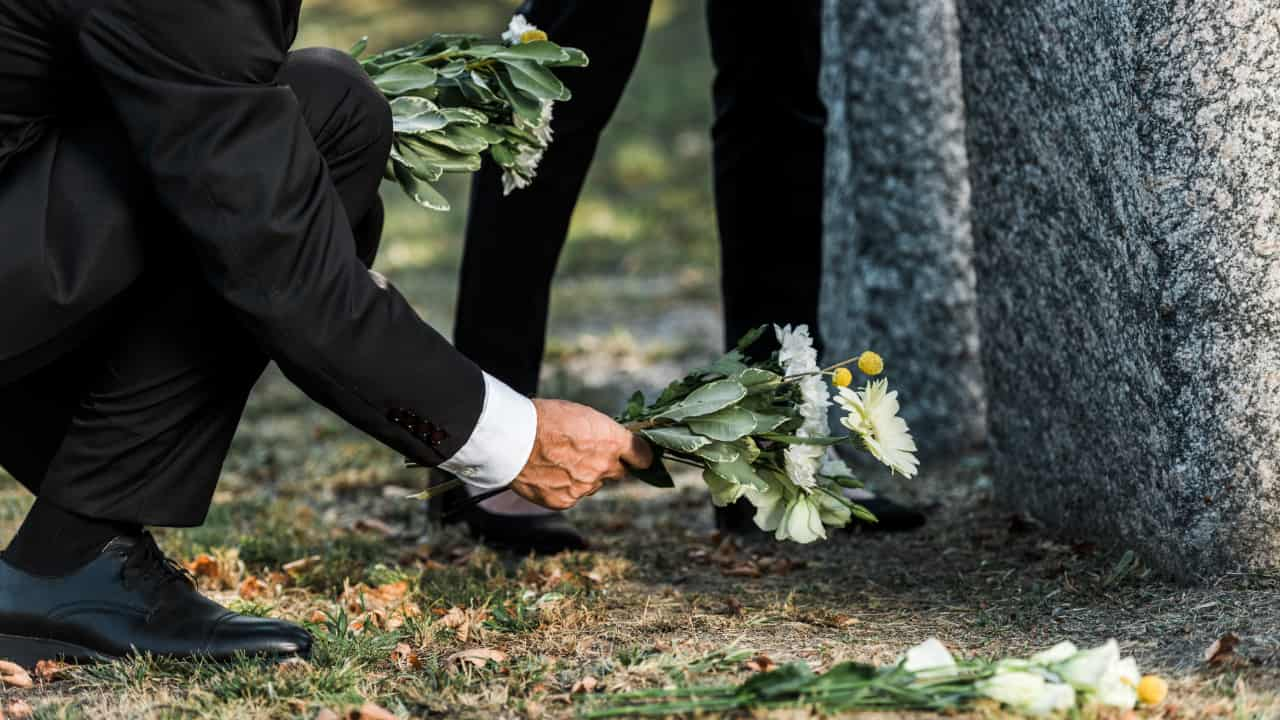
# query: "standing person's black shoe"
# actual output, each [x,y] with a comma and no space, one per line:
[892,517]
[545,534]
[129,599]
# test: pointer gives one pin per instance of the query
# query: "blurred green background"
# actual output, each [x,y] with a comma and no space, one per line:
[637,283]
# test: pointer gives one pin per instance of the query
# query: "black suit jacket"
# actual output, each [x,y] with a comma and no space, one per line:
[187,87]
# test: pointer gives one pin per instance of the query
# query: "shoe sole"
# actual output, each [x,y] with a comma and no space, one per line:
[27,651]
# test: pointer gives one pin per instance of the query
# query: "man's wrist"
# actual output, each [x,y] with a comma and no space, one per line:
[500,444]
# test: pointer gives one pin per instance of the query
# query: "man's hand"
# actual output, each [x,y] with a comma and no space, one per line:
[576,449]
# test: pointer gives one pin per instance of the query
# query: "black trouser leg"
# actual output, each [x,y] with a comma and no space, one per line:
[514,241]
[769,211]
[134,425]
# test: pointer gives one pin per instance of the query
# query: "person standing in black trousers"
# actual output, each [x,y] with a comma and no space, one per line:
[768,196]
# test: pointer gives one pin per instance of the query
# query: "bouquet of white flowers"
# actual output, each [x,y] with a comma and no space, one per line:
[758,430]
[1059,680]
[455,98]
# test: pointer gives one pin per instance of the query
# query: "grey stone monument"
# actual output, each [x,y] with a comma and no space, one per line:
[1126,206]
[898,253]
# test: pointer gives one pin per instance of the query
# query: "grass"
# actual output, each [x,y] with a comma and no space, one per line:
[309,522]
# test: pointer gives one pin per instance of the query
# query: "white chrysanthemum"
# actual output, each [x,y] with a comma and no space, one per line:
[873,415]
[1061,652]
[1019,690]
[516,29]
[1119,688]
[798,357]
[528,159]
[802,465]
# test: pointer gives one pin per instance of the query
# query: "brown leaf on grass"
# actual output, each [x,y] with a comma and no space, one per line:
[19,710]
[534,710]
[326,714]
[14,675]
[1222,650]
[301,565]
[733,606]
[318,617]
[253,588]
[356,598]
[761,663]
[462,621]
[842,620]
[405,656]
[478,657]
[369,711]
[373,525]
[50,670]
[587,684]
[292,666]
[202,566]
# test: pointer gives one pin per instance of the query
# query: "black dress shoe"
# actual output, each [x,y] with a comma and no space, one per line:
[892,517]
[130,599]
[546,534]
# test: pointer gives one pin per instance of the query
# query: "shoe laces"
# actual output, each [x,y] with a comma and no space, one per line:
[147,564]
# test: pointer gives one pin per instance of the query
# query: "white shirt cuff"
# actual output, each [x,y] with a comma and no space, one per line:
[502,440]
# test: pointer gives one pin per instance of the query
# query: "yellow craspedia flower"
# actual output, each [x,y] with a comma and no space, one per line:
[870,363]
[1152,690]
[532,36]
[842,377]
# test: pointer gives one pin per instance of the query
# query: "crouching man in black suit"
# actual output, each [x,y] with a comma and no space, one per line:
[182,200]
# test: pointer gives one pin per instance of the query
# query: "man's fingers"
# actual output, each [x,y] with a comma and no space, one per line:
[636,452]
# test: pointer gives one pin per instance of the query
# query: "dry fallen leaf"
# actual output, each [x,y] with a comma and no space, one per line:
[405,656]
[479,656]
[49,670]
[369,711]
[373,525]
[14,675]
[533,710]
[291,666]
[19,710]
[327,714]
[295,567]
[761,663]
[1222,650]
[587,684]
[252,588]
[318,616]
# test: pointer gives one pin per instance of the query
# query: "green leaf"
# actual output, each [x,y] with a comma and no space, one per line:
[420,123]
[525,105]
[635,407]
[405,78]
[449,160]
[788,680]
[755,376]
[453,68]
[719,452]
[455,139]
[477,89]
[656,474]
[675,438]
[358,49]
[707,399]
[463,115]
[797,440]
[739,472]
[421,193]
[536,80]
[577,58]
[728,425]
[750,338]
[503,155]
[538,51]
[768,423]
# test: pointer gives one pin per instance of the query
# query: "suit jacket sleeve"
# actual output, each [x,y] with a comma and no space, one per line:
[232,161]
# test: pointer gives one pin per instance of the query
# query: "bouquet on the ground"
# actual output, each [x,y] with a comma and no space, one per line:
[1058,680]
[456,98]
[758,429]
